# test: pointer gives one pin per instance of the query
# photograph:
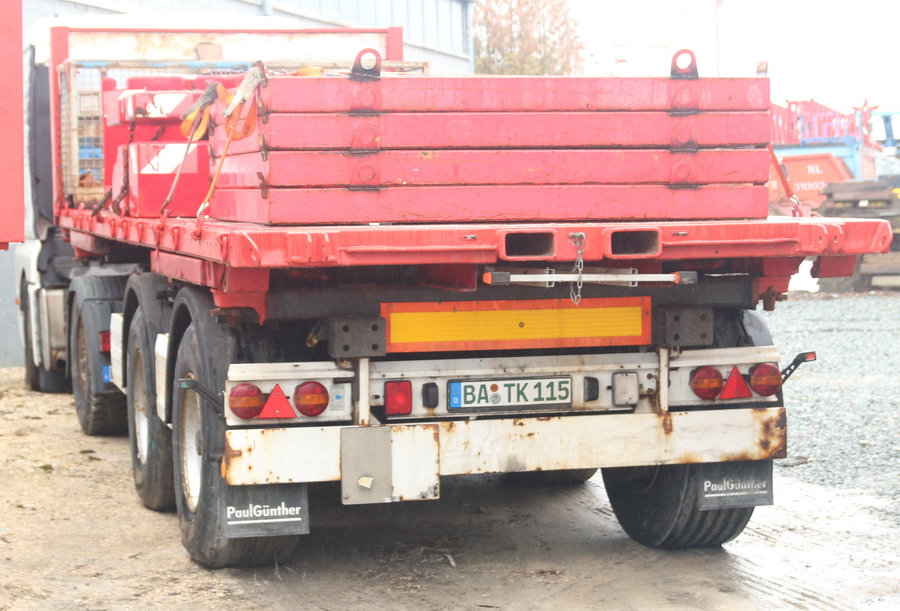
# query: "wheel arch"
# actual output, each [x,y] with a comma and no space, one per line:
[94,298]
[143,290]
[189,306]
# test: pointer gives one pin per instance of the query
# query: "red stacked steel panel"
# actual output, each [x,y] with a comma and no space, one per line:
[420,149]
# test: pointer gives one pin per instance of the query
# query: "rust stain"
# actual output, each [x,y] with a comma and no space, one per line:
[689,458]
[229,456]
[773,432]
[667,425]
[740,456]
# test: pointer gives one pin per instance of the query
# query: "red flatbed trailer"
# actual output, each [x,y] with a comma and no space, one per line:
[386,279]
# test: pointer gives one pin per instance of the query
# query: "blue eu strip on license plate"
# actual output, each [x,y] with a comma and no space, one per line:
[495,394]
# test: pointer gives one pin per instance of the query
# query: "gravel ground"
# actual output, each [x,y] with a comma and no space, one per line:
[843,409]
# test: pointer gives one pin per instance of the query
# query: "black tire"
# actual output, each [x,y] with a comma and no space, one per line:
[37,377]
[99,413]
[657,507]
[150,439]
[562,477]
[197,440]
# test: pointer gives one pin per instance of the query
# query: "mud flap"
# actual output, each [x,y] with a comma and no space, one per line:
[262,511]
[723,485]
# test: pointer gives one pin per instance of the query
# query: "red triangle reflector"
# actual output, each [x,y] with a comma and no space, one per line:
[735,387]
[277,406]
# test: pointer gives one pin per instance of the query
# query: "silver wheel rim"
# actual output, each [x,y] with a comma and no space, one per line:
[141,417]
[190,449]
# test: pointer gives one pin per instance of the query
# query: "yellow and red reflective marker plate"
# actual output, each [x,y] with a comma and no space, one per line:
[510,325]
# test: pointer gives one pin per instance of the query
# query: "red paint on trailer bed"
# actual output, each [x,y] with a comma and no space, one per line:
[249,245]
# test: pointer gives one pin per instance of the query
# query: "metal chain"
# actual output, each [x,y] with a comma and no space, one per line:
[578,240]
[126,163]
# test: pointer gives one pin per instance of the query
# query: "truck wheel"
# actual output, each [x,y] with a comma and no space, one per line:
[562,477]
[37,377]
[150,439]
[657,507]
[198,440]
[98,414]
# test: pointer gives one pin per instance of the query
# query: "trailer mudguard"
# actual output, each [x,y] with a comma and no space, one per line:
[191,305]
[95,298]
[149,292]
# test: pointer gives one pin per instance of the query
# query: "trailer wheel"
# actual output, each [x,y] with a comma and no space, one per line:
[38,377]
[99,413]
[657,507]
[149,438]
[198,439]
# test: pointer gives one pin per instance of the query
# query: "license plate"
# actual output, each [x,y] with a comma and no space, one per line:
[523,392]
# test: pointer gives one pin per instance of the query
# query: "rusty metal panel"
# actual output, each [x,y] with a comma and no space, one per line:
[515,167]
[285,206]
[415,93]
[256,456]
[499,131]
[498,446]
[415,452]
[282,456]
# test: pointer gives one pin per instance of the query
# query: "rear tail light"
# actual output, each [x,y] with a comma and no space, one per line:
[707,382]
[246,401]
[765,379]
[104,341]
[311,398]
[398,398]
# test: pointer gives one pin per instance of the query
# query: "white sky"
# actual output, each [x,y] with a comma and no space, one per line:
[838,53]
